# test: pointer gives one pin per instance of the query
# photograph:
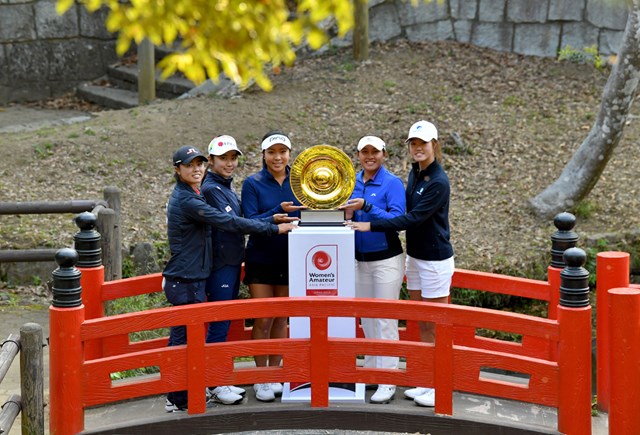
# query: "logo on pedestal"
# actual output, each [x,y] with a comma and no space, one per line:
[321,271]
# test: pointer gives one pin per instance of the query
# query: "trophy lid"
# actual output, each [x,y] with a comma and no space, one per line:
[322,177]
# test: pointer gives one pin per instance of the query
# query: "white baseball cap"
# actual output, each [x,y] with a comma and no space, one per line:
[374,141]
[223,144]
[275,139]
[423,130]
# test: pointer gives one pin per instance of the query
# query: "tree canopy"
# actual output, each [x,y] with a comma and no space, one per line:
[237,37]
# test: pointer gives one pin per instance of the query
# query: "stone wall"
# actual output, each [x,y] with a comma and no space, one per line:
[43,55]
[529,27]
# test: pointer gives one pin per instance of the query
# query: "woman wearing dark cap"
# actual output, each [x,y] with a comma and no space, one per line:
[189,221]
[429,265]
[266,260]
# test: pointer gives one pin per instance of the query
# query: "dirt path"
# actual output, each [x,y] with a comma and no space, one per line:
[14,119]
[11,320]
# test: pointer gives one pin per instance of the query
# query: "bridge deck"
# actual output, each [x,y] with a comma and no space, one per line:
[149,416]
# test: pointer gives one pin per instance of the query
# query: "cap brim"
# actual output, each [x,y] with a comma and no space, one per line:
[192,158]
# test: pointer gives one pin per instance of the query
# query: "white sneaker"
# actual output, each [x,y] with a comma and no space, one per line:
[427,399]
[264,393]
[169,406]
[224,395]
[412,393]
[384,394]
[233,388]
[277,388]
[237,390]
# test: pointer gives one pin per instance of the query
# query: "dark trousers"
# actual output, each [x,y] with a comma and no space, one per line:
[182,293]
[222,285]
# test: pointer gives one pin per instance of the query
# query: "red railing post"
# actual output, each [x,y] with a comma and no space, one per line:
[612,270]
[574,347]
[66,413]
[443,367]
[320,360]
[87,245]
[624,345]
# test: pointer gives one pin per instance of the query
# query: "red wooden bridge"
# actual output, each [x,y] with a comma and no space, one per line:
[554,353]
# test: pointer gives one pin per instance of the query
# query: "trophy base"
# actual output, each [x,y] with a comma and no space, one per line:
[321,218]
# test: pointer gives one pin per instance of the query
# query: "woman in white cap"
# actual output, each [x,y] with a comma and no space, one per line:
[266,262]
[223,283]
[429,265]
[378,194]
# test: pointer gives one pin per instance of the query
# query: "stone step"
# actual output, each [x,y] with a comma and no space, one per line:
[106,96]
[126,77]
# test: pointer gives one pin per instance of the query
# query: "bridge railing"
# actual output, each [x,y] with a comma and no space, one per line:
[97,292]
[79,381]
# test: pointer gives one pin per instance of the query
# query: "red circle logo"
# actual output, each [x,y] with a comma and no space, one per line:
[321,260]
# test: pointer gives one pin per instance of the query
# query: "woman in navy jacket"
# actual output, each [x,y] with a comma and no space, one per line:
[189,220]
[267,260]
[429,265]
[378,194]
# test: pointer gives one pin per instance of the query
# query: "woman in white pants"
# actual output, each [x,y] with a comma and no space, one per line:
[378,194]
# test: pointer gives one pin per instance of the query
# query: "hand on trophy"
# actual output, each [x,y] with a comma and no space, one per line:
[288,206]
[285,228]
[359,226]
[283,218]
[353,204]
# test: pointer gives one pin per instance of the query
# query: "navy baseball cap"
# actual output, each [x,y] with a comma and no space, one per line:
[186,154]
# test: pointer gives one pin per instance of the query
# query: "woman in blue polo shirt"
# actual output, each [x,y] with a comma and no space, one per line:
[429,265]
[378,194]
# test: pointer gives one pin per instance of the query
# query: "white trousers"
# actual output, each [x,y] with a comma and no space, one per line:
[382,280]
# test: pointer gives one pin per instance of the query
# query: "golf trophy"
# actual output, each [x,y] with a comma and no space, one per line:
[322,178]
[321,253]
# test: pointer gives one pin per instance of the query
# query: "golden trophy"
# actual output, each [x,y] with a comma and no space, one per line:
[322,178]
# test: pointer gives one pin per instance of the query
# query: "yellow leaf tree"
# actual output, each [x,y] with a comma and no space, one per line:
[237,37]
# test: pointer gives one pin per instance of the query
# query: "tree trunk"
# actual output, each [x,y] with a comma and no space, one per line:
[582,172]
[361,30]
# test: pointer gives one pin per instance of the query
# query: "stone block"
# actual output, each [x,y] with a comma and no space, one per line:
[108,52]
[30,91]
[65,59]
[566,10]
[29,61]
[4,95]
[373,3]
[527,11]
[464,9]
[51,25]
[537,39]
[610,41]
[17,23]
[491,11]
[440,31]
[4,79]
[384,23]
[92,25]
[423,12]
[579,35]
[496,36]
[462,30]
[610,15]
[61,87]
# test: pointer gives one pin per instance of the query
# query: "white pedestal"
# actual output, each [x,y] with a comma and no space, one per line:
[322,263]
